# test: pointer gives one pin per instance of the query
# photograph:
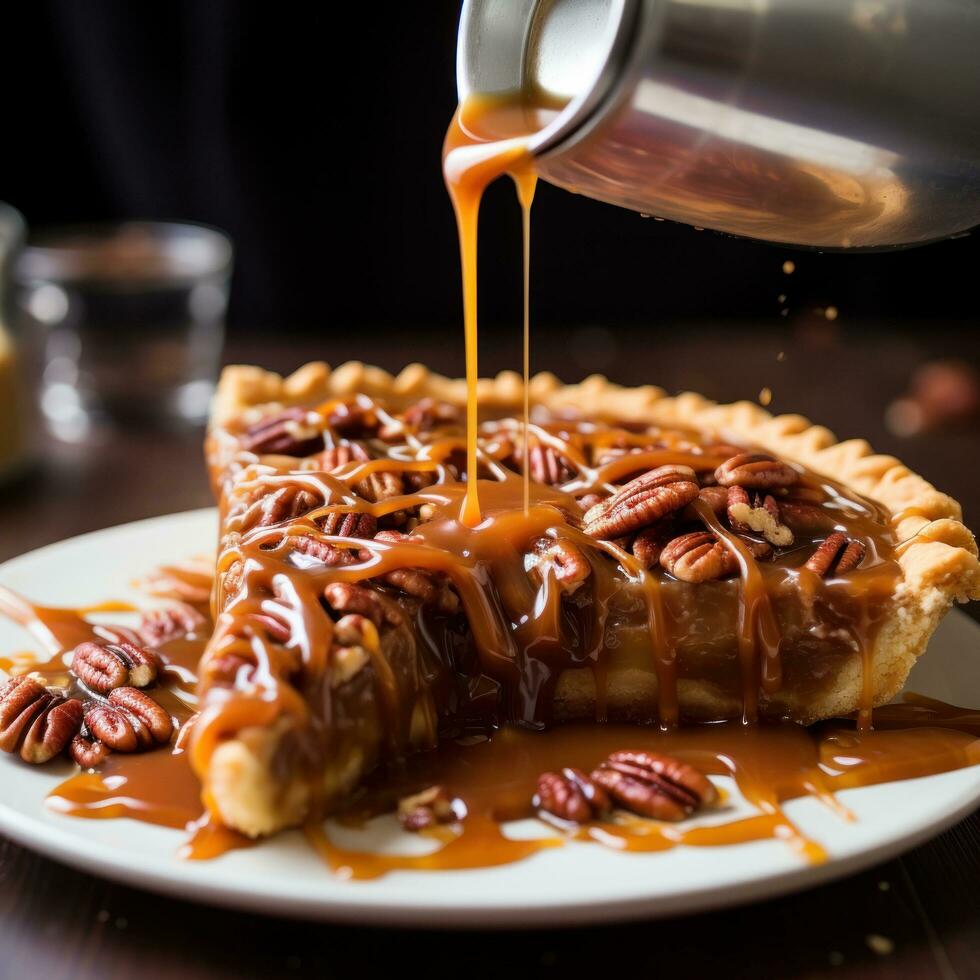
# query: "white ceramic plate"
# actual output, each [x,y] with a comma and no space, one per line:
[578,883]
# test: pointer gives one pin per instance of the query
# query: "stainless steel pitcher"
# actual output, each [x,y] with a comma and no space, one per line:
[825,123]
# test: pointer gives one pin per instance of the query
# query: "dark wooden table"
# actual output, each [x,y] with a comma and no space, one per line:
[918,916]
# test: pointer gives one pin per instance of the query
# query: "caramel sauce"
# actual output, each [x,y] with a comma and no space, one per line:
[487,138]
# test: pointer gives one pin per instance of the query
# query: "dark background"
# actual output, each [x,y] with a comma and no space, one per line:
[315,142]
[312,134]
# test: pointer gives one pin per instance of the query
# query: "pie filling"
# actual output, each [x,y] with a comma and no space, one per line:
[656,575]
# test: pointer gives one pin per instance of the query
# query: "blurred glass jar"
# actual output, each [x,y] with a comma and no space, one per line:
[132,317]
[18,362]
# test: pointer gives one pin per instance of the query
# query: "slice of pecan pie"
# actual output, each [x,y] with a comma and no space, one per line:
[672,560]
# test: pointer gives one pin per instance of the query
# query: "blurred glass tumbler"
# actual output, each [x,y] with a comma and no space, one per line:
[17,367]
[133,318]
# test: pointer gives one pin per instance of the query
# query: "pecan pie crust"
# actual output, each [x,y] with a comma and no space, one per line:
[245,745]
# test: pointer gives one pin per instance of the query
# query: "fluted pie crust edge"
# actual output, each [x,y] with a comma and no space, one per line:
[937,556]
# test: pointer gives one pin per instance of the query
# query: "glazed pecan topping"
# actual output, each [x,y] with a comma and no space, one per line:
[715,497]
[561,558]
[227,669]
[35,722]
[755,471]
[545,464]
[129,721]
[649,544]
[424,416]
[758,513]
[653,785]
[285,504]
[837,555]
[588,500]
[376,487]
[698,557]
[286,434]
[431,588]
[352,419]
[430,807]
[340,455]
[275,627]
[642,502]
[331,555]
[349,524]
[571,795]
[159,626]
[348,597]
[104,666]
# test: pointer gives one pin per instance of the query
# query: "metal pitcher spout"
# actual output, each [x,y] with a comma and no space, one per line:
[821,123]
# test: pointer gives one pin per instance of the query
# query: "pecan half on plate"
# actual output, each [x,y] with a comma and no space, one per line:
[653,785]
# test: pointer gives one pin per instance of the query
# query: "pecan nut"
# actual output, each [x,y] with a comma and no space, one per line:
[34,721]
[429,807]
[715,497]
[21,700]
[755,471]
[349,597]
[129,721]
[159,626]
[424,416]
[342,454]
[284,504]
[228,670]
[589,500]
[571,795]
[545,464]
[52,730]
[102,667]
[837,555]
[349,524]
[759,514]
[275,627]
[653,785]
[698,557]
[642,502]
[286,434]
[649,544]
[334,556]
[561,558]
[376,487]
[352,419]
[431,588]
[88,752]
